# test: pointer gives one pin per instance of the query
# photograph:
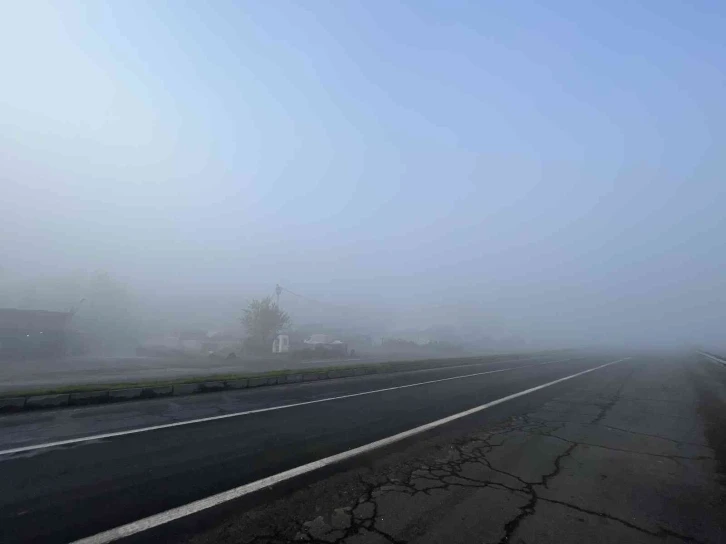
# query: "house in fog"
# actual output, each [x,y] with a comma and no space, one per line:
[33,333]
[325,342]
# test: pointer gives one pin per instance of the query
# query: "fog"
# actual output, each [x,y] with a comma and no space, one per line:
[511,174]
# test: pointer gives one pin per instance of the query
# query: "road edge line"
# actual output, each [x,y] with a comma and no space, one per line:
[200,505]
[713,357]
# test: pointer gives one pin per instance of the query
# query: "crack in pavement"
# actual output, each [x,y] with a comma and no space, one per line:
[441,475]
[679,442]
[661,533]
[615,399]
[531,506]
[448,473]
[629,431]
[672,457]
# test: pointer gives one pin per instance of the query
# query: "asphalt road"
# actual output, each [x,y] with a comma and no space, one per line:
[634,451]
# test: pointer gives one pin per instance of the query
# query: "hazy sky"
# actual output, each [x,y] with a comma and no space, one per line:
[557,163]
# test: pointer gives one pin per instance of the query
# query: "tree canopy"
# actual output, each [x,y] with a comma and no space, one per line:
[263,319]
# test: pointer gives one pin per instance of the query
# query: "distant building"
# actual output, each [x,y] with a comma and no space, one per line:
[281,344]
[33,333]
[326,342]
[316,339]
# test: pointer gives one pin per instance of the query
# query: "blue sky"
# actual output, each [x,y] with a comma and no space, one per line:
[523,156]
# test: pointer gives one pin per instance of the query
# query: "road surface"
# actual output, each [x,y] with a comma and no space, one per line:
[629,447]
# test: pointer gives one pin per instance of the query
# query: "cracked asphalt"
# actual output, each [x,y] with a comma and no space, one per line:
[633,453]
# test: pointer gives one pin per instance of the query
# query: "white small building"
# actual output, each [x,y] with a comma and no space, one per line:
[281,344]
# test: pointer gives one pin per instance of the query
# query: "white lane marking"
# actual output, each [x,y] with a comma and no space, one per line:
[260,410]
[713,358]
[203,504]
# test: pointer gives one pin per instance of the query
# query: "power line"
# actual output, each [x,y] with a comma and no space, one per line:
[280,288]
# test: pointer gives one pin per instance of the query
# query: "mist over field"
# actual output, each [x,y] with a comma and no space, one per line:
[489,176]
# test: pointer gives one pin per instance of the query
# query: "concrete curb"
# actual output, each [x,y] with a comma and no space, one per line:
[115,395]
[12,404]
[85,398]
[186,389]
[154,392]
[258,382]
[90,397]
[47,401]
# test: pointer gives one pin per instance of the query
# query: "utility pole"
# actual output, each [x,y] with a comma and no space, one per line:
[278,291]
